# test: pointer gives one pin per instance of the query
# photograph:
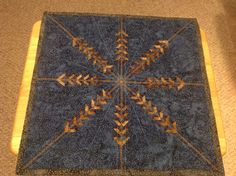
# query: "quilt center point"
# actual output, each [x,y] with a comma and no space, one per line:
[121,81]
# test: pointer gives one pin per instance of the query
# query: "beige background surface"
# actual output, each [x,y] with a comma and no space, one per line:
[216,17]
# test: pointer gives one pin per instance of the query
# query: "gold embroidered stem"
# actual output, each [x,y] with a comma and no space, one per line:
[194,84]
[46,79]
[121,68]
[121,122]
[54,79]
[149,57]
[121,157]
[121,48]
[88,51]
[89,110]
[121,129]
[153,111]
[145,82]
[197,151]
[92,55]
[112,89]
[121,113]
[121,61]
[156,51]
[106,81]
[178,32]
[153,82]
[69,33]
[43,150]
[77,80]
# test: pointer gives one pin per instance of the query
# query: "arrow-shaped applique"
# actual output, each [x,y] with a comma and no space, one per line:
[121,45]
[77,80]
[180,83]
[121,107]
[62,79]
[142,101]
[91,54]
[120,131]
[152,111]
[135,96]
[172,129]
[121,115]
[159,117]
[121,141]
[122,33]
[94,106]
[123,124]
[171,83]
[89,110]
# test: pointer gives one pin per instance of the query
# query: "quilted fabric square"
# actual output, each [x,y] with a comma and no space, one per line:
[119,95]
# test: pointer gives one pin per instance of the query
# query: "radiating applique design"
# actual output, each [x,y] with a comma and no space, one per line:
[121,81]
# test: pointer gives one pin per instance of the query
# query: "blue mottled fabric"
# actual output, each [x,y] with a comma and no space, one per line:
[149,148]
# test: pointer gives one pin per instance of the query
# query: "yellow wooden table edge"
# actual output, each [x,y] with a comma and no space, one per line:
[27,78]
[213,91]
[25,89]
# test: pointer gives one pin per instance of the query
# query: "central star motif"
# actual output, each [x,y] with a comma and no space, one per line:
[121,81]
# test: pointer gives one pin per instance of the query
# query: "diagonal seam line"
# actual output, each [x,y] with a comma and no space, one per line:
[101,36]
[131,62]
[69,33]
[186,142]
[43,150]
[169,40]
[132,107]
[179,31]
[96,72]
[86,68]
[197,151]
[106,111]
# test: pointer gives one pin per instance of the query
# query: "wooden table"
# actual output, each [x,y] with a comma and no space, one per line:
[26,84]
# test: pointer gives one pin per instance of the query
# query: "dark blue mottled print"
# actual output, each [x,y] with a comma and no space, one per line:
[93,146]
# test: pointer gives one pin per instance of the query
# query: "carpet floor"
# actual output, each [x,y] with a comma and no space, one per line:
[216,17]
